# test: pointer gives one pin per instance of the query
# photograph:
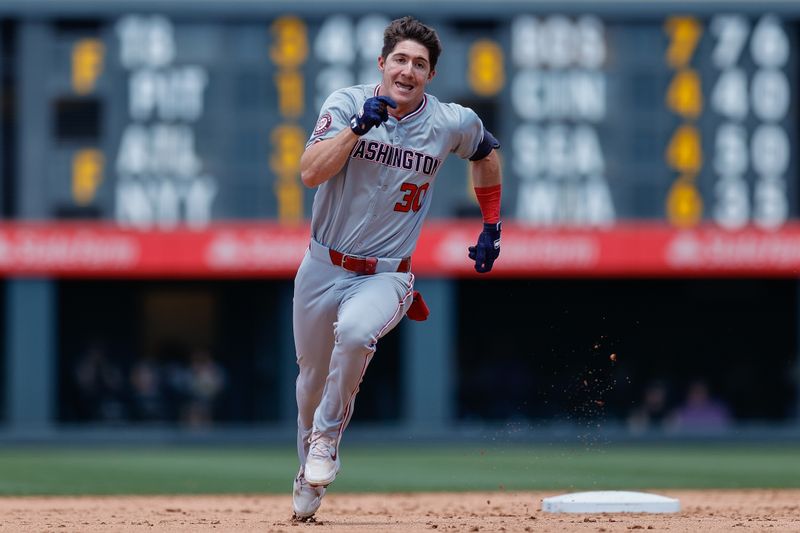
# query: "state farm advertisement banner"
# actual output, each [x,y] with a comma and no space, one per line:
[268,250]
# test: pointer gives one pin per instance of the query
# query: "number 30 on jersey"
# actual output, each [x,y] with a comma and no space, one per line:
[413,195]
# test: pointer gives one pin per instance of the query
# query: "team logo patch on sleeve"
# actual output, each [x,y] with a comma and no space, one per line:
[323,124]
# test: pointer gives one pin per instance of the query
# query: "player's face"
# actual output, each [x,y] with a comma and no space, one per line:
[406,72]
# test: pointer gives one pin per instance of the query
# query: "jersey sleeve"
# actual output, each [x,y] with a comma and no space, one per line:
[468,132]
[334,116]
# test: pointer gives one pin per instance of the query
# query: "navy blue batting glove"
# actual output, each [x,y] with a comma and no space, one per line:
[488,248]
[373,114]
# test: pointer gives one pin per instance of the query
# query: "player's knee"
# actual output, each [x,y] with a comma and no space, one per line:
[354,337]
[310,378]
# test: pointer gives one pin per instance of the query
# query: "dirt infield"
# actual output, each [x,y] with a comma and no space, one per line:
[706,511]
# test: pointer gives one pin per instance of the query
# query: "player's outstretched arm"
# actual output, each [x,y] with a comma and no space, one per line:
[322,160]
[487,178]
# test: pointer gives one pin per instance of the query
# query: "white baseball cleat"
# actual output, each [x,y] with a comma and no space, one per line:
[305,498]
[322,463]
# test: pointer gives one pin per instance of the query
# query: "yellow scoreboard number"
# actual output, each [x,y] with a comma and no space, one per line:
[684,152]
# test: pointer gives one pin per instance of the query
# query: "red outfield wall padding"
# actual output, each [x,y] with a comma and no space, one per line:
[269,250]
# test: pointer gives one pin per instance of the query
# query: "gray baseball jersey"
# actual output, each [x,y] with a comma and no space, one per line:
[376,204]
[375,207]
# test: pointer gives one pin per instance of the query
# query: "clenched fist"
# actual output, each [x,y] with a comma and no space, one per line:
[373,114]
[487,249]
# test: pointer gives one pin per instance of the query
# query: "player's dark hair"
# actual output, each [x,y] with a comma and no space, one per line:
[410,29]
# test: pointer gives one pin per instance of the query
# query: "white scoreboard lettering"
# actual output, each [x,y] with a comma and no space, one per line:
[160,179]
[559,95]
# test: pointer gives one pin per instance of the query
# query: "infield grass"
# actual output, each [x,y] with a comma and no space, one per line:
[196,470]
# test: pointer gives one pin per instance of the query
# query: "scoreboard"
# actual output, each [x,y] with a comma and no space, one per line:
[157,119]
[680,118]
[611,121]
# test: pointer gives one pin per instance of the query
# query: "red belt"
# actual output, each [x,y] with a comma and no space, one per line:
[363,265]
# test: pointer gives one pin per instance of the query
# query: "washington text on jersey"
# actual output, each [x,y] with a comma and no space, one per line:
[395,156]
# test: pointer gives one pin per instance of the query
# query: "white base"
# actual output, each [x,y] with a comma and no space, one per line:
[610,501]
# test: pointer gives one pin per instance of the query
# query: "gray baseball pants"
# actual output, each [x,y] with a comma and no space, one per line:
[338,318]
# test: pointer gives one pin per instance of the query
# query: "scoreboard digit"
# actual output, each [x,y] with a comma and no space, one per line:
[684,153]
[288,52]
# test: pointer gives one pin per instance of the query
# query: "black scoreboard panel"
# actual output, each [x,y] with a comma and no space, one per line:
[679,119]
[154,119]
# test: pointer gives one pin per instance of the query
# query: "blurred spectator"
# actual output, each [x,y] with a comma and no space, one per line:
[100,385]
[653,410]
[204,381]
[148,393]
[700,410]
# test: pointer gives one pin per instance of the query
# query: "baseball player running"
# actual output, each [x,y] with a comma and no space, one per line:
[373,156]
